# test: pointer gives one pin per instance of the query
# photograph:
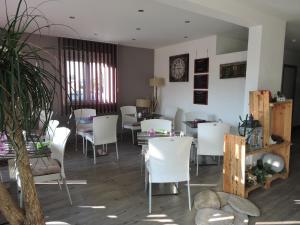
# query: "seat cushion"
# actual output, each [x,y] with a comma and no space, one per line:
[44,166]
[134,126]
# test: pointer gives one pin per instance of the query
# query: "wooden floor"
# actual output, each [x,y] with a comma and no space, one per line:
[112,193]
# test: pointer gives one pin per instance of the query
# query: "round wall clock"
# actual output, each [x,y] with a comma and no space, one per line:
[179,68]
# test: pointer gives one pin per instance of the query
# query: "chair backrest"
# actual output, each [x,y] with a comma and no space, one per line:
[157,125]
[105,129]
[52,125]
[190,116]
[168,159]
[58,146]
[211,138]
[43,118]
[129,114]
[84,112]
[170,112]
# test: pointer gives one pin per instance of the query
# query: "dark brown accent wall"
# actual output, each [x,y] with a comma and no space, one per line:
[136,67]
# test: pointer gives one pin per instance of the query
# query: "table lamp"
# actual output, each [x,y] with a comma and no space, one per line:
[155,82]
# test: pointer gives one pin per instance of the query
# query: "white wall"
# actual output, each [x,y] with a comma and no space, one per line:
[225,97]
[228,45]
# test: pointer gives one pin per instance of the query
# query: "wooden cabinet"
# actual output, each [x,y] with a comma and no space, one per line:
[275,118]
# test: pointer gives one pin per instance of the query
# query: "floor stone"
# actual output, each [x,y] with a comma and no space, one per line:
[208,216]
[206,199]
[243,205]
[239,218]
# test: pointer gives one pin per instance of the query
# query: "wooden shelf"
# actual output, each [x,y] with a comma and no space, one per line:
[272,104]
[276,119]
[269,148]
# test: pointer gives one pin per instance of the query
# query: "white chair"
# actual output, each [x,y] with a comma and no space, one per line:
[48,169]
[211,139]
[157,125]
[129,119]
[43,118]
[167,161]
[104,132]
[82,129]
[191,116]
[53,124]
[169,113]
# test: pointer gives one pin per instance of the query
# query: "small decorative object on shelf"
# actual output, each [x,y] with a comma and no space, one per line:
[252,131]
[274,161]
[280,97]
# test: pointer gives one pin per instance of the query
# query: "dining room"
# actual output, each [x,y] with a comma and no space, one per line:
[165,113]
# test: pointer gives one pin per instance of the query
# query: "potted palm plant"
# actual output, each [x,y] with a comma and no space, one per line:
[26,88]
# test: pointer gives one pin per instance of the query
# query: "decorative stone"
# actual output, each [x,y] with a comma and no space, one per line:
[223,198]
[239,218]
[243,205]
[206,199]
[275,161]
[213,216]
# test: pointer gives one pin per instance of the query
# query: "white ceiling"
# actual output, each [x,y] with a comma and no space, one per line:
[116,21]
[288,10]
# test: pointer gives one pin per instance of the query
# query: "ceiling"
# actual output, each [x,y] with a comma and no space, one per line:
[116,21]
[288,10]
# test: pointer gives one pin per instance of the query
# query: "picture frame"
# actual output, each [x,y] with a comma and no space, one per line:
[179,68]
[201,97]
[201,81]
[201,65]
[233,70]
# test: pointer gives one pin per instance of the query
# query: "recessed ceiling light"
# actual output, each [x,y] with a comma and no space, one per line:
[96,34]
[140,10]
[187,21]
[185,36]
[294,40]
[133,39]
[72,17]
[138,28]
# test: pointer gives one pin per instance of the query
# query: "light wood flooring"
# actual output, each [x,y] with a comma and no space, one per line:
[114,193]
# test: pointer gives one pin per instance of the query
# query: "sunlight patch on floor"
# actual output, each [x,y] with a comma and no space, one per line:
[297,202]
[57,223]
[71,182]
[92,206]
[277,223]
[112,216]
[160,218]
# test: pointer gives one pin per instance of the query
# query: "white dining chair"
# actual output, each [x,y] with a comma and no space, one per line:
[50,131]
[211,140]
[82,129]
[170,113]
[129,120]
[157,125]
[43,118]
[167,161]
[104,132]
[47,169]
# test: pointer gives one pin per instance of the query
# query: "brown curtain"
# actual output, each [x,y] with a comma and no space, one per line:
[89,75]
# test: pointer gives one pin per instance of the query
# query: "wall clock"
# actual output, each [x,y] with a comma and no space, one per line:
[179,68]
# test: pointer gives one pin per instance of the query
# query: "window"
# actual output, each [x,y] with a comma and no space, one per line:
[90,74]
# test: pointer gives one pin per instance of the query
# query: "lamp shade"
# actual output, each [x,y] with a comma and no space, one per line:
[143,103]
[156,82]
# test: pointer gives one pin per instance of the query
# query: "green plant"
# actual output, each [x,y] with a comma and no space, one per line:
[26,88]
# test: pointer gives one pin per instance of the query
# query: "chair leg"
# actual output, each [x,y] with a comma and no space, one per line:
[67,189]
[150,197]
[75,142]
[189,194]
[1,178]
[94,149]
[142,163]
[197,165]
[83,142]
[58,182]
[132,132]
[86,147]
[117,151]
